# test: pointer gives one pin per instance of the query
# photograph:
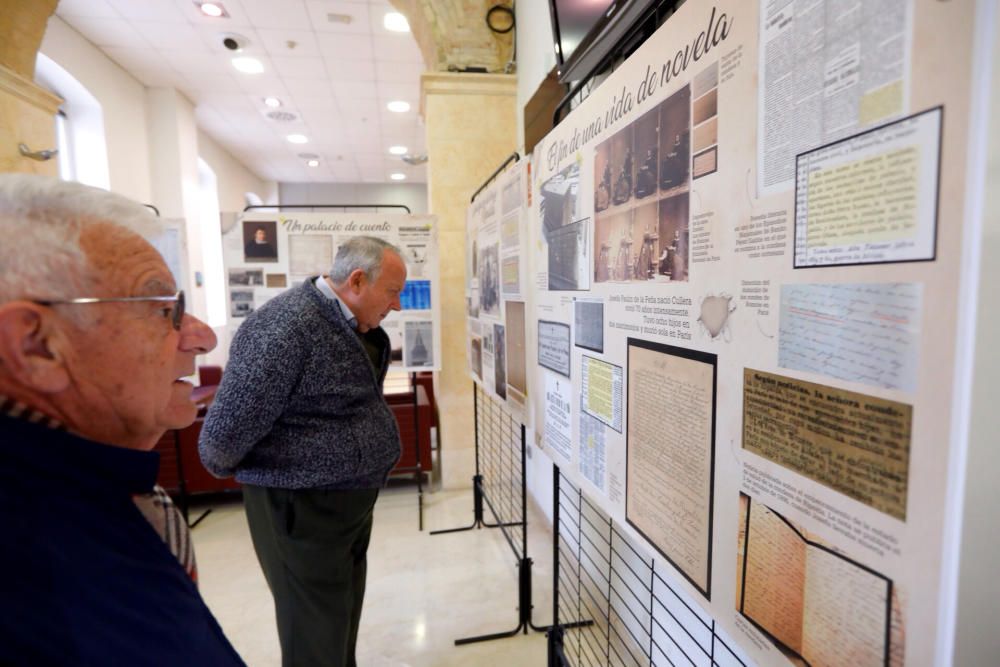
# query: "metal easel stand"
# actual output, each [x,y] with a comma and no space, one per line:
[478,494]
[418,468]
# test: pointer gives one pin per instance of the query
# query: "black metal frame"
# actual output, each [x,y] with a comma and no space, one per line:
[513,157]
[618,596]
[251,207]
[417,469]
[640,31]
[496,424]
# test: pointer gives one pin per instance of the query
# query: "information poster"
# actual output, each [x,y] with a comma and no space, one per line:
[267,253]
[498,297]
[746,251]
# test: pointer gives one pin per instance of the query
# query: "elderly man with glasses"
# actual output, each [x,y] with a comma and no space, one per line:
[94,349]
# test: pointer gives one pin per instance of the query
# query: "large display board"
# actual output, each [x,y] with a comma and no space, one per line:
[267,253]
[746,257]
[498,297]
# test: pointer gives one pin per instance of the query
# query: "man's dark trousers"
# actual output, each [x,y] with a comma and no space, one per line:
[311,545]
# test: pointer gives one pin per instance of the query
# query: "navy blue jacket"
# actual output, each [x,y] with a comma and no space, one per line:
[84,578]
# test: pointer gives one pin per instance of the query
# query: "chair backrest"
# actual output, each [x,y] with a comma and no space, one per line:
[209,375]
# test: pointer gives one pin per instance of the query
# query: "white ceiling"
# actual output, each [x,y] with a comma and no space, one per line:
[337,79]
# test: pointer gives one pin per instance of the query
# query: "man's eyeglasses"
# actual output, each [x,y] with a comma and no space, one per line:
[176,313]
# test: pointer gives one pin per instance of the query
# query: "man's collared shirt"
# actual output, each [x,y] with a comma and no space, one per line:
[324,287]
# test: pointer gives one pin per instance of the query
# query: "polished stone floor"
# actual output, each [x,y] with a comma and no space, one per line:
[423,591]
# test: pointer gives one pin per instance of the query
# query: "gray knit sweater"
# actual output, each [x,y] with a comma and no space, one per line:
[300,405]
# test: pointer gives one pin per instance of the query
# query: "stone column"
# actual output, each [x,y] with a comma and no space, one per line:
[471,122]
[27,112]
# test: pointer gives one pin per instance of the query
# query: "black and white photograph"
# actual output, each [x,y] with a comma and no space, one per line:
[554,346]
[476,357]
[510,195]
[560,205]
[645,149]
[675,139]
[260,241]
[622,166]
[627,244]
[240,302]
[276,280]
[489,281]
[246,277]
[499,361]
[419,343]
[473,303]
[673,259]
[517,378]
[588,318]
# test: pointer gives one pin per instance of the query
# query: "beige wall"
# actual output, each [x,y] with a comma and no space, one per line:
[122,100]
[471,128]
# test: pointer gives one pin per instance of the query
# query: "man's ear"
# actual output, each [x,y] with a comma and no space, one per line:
[31,346]
[357,279]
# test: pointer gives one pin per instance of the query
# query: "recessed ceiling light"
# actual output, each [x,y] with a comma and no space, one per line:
[398,176]
[213,9]
[313,163]
[248,65]
[272,102]
[297,139]
[396,22]
[398,150]
[398,106]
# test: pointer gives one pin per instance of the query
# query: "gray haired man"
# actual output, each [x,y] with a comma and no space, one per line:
[301,422]
[94,348]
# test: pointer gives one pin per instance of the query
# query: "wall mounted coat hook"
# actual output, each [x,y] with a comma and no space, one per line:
[41,156]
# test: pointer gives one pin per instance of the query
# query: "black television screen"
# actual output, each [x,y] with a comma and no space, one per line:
[574,19]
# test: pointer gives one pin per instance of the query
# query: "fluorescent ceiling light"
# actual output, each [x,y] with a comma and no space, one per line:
[213,9]
[398,106]
[313,163]
[396,22]
[398,150]
[272,102]
[297,139]
[248,65]
[397,176]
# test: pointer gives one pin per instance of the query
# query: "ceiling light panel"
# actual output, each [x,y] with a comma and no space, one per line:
[213,10]
[398,106]
[248,65]
[329,17]
[395,22]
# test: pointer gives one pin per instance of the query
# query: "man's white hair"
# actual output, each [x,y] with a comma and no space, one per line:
[41,220]
[360,252]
